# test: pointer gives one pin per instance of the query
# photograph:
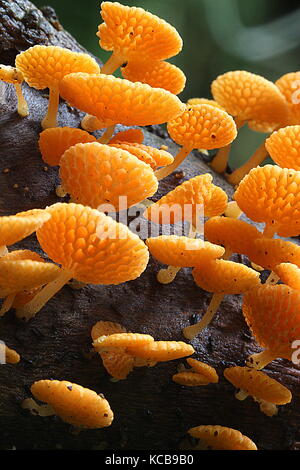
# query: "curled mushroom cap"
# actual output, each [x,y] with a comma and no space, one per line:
[288,84]
[289,274]
[130,135]
[74,404]
[271,194]
[193,101]
[204,369]
[200,374]
[225,277]
[132,33]
[150,155]
[273,315]
[16,255]
[284,147]
[269,252]
[161,351]
[53,142]
[95,174]
[159,74]
[182,251]
[186,200]
[116,100]
[250,97]
[14,228]
[222,438]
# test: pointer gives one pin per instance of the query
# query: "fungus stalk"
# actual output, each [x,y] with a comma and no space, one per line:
[257,158]
[46,293]
[22,103]
[191,331]
[167,170]
[233,210]
[220,160]
[260,360]
[112,64]
[107,135]
[50,120]
[7,304]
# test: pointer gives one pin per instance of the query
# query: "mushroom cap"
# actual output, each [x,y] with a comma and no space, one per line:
[132,342]
[160,351]
[10,74]
[130,135]
[258,385]
[155,157]
[45,66]
[19,275]
[53,142]
[225,277]
[117,100]
[11,356]
[273,315]
[202,126]
[14,228]
[284,147]
[158,74]
[288,84]
[190,379]
[271,194]
[204,369]
[188,200]
[193,101]
[182,251]
[234,234]
[250,97]
[75,404]
[289,274]
[133,33]
[22,255]
[95,174]
[269,252]
[92,245]
[222,438]
[106,328]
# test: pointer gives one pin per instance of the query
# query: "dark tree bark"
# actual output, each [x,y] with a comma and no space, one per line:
[151,411]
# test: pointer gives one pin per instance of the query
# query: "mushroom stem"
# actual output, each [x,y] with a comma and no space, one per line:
[7,304]
[257,158]
[105,138]
[220,160]
[272,279]
[227,253]
[260,360]
[256,267]
[90,123]
[191,331]
[268,408]
[112,64]
[29,310]
[22,103]
[167,170]
[241,395]
[50,120]
[233,210]
[40,410]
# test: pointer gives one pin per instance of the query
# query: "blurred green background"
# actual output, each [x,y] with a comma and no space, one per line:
[261,36]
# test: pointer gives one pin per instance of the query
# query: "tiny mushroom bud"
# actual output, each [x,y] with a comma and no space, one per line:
[45,66]
[11,75]
[284,147]
[200,374]
[132,33]
[265,390]
[221,438]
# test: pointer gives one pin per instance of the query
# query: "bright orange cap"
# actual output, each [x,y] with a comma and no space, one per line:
[269,252]
[158,74]
[22,255]
[132,342]
[284,147]
[75,404]
[273,315]
[250,97]
[204,369]
[182,251]
[222,438]
[14,228]
[53,142]
[93,246]
[133,33]
[225,277]
[11,356]
[106,328]
[130,135]
[190,379]
[10,74]
[150,155]
[271,194]
[161,351]
[203,126]
[120,101]
[288,84]
[289,274]
[95,174]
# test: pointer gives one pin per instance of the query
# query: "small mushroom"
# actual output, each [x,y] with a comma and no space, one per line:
[289,274]
[288,85]
[91,247]
[11,75]
[221,277]
[150,155]
[45,66]
[132,33]
[74,404]
[199,126]
[284,147]
[273,315]
[200,374]
[221,438]
[10,356]
[130,135]
[264,390]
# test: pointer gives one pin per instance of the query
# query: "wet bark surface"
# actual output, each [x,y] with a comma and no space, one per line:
[151,412]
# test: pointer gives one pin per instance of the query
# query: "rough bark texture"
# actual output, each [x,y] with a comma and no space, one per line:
[151,411]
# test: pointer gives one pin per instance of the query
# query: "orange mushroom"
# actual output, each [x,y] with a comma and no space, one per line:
[159,74]
[271,194]
[273,315]
[11,75]
[289,274]
[45,66]
[221,438]
[199,374]
[8,355]
[288,84]
[74,404]
[150,155]
[284,147]
[266,391]
[98,175]
[130,135]
[199,126]
[220,277]
[132,33]
[91,247]
[269,252]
